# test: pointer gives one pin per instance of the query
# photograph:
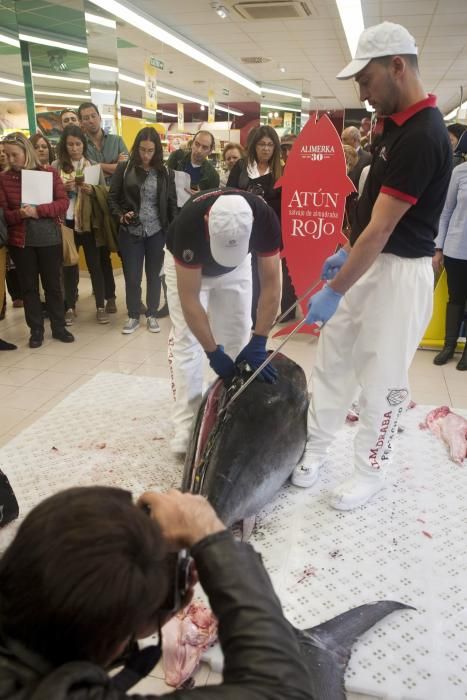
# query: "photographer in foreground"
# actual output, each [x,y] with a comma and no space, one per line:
[88,572]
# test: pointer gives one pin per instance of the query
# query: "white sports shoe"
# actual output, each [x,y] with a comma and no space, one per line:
[306,474]
[179,444]
[357,490]
[131,325]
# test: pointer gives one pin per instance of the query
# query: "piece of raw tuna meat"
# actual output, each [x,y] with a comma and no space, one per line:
[184,639]
[451,428]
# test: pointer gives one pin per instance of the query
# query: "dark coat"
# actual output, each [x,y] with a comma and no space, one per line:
[125,193]
[10,202]
[209,175]
[262,656]
[364,159]
[239,178]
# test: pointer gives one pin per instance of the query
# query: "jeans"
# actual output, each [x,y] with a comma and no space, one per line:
[47,262]
[134,252]
[92,255]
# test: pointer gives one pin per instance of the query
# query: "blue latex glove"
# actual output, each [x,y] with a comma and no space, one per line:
[333,264]
[221,363]
[322,305]
[254,354]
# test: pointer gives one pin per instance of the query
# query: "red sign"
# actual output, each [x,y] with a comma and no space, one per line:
[314,189]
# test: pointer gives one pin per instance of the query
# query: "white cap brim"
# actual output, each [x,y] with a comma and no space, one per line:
[353,68]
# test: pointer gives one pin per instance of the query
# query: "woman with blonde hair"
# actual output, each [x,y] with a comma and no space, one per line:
[231,154]
[35,240]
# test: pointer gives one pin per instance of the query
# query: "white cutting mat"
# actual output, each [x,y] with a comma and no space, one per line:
[409,544]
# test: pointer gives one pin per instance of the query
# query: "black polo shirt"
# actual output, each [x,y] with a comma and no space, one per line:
[188,235]
[412,161]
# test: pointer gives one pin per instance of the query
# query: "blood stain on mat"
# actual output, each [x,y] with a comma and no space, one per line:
[427,534]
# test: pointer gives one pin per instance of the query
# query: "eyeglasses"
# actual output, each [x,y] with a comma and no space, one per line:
[261,144]
[13,139]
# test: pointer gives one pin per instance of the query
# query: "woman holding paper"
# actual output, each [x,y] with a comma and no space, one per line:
[71,163]
[143,197]
[33,200]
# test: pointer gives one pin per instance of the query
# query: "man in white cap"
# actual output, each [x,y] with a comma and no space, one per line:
[378,301]
[209,287]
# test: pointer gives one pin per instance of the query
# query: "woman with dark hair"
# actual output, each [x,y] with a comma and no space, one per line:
[43,148]
[35,240]
[143,198]
[258,173]
[72,159]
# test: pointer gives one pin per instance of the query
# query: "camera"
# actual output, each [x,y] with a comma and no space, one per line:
[178,565]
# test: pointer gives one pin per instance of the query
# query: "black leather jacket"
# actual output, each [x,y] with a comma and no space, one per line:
[262,656]
[125,192]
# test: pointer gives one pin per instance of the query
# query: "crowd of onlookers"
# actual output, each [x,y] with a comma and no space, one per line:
[130,209]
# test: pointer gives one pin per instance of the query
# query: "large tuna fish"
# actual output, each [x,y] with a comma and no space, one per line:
[240,457]
[326,648]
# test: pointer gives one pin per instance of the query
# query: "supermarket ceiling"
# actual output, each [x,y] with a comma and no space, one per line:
[312,47]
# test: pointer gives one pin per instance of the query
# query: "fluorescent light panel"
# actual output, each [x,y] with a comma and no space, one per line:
[352,21]
[285,93]
[103,21]
[101,66]
[148,111]
[282,108]
[51,42]
[61,77]
[174,41]
[454,112]
[9,81]
[62,94]
[9,40]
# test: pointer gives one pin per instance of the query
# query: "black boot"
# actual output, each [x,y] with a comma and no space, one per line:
[462,364]
[454,314]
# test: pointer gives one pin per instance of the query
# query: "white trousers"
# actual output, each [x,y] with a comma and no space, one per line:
[367,347]
[227,301]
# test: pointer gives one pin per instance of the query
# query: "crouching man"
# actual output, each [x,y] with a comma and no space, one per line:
[88,571]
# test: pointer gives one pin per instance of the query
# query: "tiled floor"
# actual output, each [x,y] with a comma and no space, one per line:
[33,381]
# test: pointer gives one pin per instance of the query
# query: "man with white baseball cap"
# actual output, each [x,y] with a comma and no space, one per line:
[379,297]
[209,287]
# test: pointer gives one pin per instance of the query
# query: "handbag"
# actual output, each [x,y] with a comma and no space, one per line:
[8,504]
[70,254]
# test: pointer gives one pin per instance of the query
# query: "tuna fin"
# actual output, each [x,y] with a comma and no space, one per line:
[327,647]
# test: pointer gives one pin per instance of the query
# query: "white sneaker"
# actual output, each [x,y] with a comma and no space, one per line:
[153,326]
[306,474]
[131,325]
[357,490]
[179,444]
[69,317]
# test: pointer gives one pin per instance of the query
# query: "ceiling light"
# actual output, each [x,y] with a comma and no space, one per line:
[8,81]
[352,21]
[220,10]
[51,42]
[175,93]
[148,111]
[101,66]
[453,113]
[103,91]
[11,99]
[9,40]
[202,107]
[129,79]
[103,21]
[283,108]
[49,76]
[285,93]
[282,69]
[158,31]
[62,94]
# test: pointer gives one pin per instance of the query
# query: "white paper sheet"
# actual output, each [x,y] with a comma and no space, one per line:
[182,184]
[92,174]
[36,187]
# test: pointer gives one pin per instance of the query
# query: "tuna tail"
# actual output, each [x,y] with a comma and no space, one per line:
[326,648]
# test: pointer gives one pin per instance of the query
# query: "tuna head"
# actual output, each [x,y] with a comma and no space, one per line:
[240,458]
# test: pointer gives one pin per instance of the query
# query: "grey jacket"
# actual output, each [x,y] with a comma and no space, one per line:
[262,656]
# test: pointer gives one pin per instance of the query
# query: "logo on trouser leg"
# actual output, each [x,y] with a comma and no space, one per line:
[396,396]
